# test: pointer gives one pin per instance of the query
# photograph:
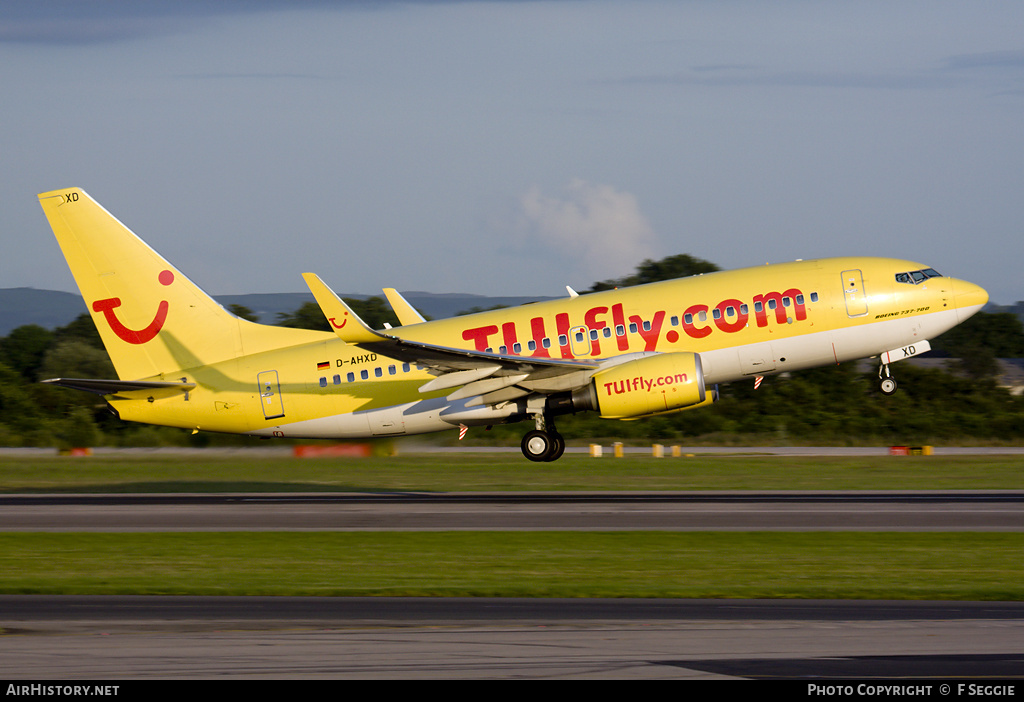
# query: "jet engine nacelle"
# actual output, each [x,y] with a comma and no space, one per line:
[665,382]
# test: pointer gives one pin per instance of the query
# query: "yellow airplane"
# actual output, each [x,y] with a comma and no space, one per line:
[182,360]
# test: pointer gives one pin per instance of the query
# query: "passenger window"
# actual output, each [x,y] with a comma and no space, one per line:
[323,382]
[563,340]
[814,297]
[607,332]
[392,370]
[517,348]
[378,372]
[405,367]
[351,377]
[759,307]
[364,374]
[687,318]
[632,328]
[716,313]
[799,299]
[744,309]
[337,380]
[532,345]
[546,343]
[620,330]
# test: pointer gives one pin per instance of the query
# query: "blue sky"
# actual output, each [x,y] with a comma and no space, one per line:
[511,148]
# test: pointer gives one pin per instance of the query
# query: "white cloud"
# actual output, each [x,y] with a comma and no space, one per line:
[599,227]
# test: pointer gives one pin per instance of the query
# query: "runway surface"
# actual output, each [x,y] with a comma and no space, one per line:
[690,511]
[104,638]
[225,638]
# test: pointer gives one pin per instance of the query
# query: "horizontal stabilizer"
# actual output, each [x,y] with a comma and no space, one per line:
[114,387]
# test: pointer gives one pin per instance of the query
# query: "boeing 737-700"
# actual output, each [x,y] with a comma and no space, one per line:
[183,360]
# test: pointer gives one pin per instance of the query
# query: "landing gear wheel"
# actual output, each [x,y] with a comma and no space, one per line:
[537,445]
[558,448]
[888,382]
[543,446]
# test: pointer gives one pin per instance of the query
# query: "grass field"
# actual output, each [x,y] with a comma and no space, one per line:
[975,566]
[470,472]
[520,564]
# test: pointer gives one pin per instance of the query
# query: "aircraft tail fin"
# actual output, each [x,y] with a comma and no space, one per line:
[153,320]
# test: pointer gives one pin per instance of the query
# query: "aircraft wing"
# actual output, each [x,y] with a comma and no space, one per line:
[494,377]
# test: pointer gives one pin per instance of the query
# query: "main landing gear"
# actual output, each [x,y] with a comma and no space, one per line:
[888,385]
[544,443]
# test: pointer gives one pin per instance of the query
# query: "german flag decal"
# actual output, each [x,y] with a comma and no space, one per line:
[323,365]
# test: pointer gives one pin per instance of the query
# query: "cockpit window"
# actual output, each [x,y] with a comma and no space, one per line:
[915,277]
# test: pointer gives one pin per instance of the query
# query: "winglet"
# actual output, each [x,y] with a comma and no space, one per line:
[344,322]
[405,312]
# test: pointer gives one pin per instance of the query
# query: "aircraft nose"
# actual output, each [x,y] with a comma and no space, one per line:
[968,298]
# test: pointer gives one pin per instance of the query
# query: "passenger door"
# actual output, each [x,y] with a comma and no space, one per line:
[853,293]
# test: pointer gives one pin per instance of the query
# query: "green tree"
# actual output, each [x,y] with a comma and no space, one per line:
[243,312]
[668,268]
[374,311]
[18,412]
[1001,333]
[309,316]
[83,328]
[78,430]
[23,349]
[74,358]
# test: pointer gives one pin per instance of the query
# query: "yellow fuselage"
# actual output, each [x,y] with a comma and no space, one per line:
[749,322]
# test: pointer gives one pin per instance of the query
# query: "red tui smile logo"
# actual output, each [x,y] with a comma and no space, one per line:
[336,325]
[135,336]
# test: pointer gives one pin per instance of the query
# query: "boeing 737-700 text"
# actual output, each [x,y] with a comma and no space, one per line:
[182,360]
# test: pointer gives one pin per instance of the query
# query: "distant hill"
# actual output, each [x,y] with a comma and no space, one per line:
[47,308]
[51,309]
